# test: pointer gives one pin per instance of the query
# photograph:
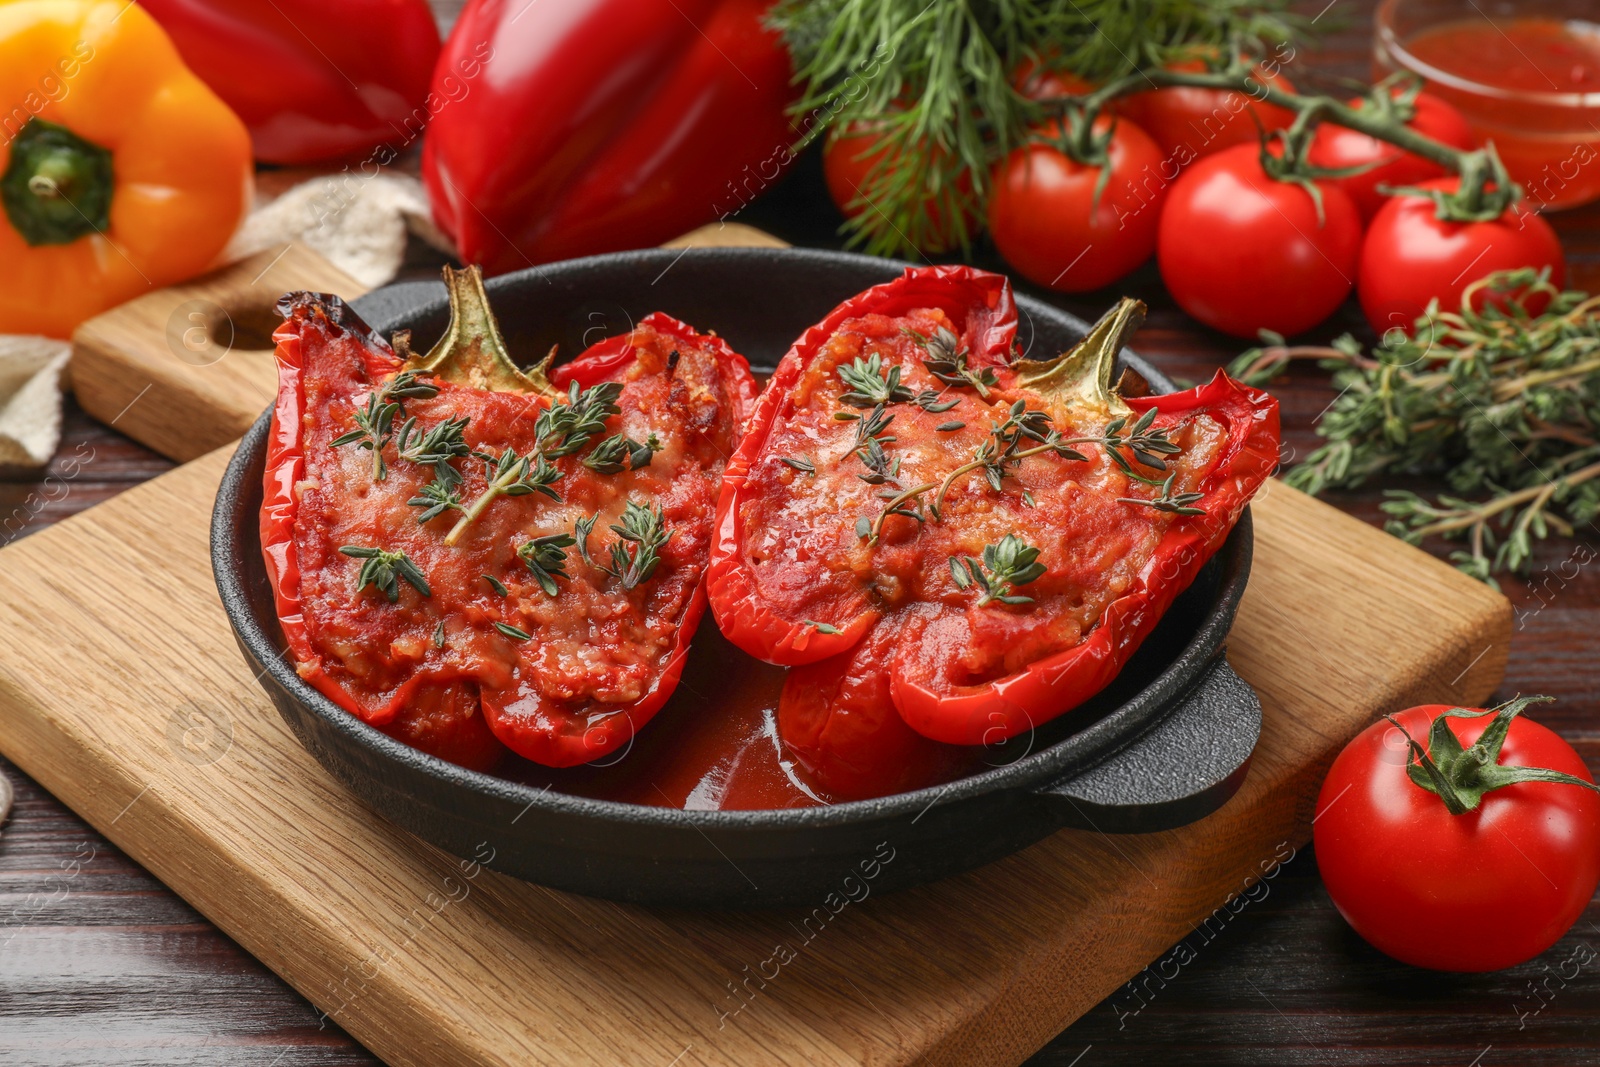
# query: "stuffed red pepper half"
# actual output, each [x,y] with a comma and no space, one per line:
[466,555]
[950,545]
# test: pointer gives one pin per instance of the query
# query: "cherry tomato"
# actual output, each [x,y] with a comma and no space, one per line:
[1190,123]
[1242,252]
[848,162]
[1045,83]
[1477,891]
[1410,256]
[1335,147]
[1044,220]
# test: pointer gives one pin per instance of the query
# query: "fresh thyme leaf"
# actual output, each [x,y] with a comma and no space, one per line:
[1180,504]
[872,427]
[437,446]
[821,627]
[799,463]
[375,423]
[435,499]
[512,632]
[881,470]
[546,558]
[634,556]
[1502,403]
[869,385]
[1027,498]
[863,527]
[950,427]
[565,428]
[385,571]
[496,584]
[929,401]
[1005,566]
[1002,452]
[438,635]
[947,361]
[608,456]
[507,475]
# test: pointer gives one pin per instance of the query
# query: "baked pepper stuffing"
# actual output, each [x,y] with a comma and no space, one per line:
[950,545]
[471,557]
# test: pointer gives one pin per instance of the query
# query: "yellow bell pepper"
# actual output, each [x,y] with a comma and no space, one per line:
[120,172]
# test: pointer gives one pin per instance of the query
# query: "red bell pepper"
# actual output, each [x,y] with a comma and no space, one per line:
[486,591]
[313,81]
[951,547]
[601,125]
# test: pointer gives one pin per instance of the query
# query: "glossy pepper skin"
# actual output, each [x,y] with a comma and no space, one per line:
[599,125]
[122,172]
[878,696]
[458,702]
[314,81]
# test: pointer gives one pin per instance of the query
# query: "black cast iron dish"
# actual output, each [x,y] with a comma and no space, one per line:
[1167,743]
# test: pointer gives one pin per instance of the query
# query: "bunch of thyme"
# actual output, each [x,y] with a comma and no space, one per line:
[1503,403]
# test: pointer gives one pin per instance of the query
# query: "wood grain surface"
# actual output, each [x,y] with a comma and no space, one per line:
[100,964]
[155,731]
[188,368]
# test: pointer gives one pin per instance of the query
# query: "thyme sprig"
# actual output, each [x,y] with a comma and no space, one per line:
[386,570]
[1129,447]
[1004,566]
[435,448]
[869,384]
[1501,402]
[635,555]
[620,452]
[375,422]
[547,559]
[507,475]
[947,361]
[436,498]
[565,428]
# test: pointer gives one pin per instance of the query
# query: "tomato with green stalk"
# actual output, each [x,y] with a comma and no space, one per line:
[1473,854]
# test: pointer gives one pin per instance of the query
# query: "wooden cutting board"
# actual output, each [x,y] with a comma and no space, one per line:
[121,691]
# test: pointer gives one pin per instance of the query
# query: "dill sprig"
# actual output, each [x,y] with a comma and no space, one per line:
[1004,566]
[1500,402]
[635,555]
[933,81]
[386,570]
[375,422]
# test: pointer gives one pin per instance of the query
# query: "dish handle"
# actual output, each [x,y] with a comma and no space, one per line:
[1182,769]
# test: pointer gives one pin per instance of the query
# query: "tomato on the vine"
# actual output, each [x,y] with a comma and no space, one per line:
[1242,251]
[1484,866]
[1336,147]
[849,161]
[1045,221]
[1411,256]
[1188,123]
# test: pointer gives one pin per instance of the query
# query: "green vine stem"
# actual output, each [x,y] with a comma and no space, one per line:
[1479,168]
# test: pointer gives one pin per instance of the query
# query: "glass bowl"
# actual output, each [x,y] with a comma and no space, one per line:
[1545,128]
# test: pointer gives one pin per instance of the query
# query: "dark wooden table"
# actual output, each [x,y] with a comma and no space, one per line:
[100,964]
